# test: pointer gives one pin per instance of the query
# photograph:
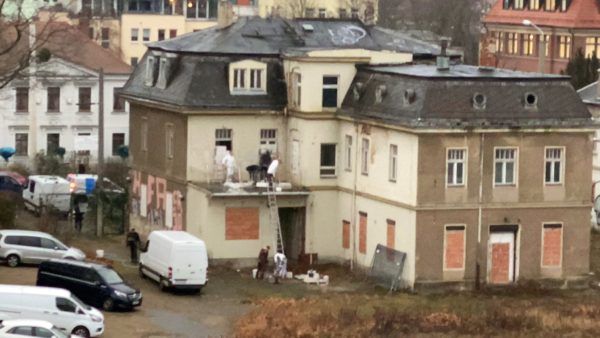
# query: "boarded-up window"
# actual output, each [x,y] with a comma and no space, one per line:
[391,234]
[454,247]
[362,232]
[241,223]
[552,245]
[345,234]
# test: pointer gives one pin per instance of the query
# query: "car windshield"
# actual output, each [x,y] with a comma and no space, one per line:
[58,333]
[80,303]
[110,276]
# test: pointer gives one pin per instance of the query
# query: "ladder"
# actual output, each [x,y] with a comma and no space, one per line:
[274,218]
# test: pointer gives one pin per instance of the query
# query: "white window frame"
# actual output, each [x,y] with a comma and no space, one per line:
[144,31]
[464,247]
[454,162]
[335,86]
[248,77]
[170,140]
[561,161]
[136,35]
[256,82]
[239,79]
[514,160]
[393,167]
[348,153]
[334,167]
[365,152]
[562,246]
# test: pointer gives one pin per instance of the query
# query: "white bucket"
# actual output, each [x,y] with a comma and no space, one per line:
[289,275]
[99,253]
[254,272]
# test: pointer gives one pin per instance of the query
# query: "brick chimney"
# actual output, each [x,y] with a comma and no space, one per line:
[225,14]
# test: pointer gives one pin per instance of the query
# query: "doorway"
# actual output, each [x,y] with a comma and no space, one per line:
[502,254]
[293,231]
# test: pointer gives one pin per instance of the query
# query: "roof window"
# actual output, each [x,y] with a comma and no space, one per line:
[166,69]
[248,77]
[357,91]
[531,100]
[151,67]
[479,101]
[380,93]
[409,96]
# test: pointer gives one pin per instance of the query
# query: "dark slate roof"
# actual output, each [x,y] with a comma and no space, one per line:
[273,36]
[589,94]
[445,99]
[202,82]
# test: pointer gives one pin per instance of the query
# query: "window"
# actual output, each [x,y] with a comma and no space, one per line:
[552,245]
[564,5]
[534,4]
[255,78]
[297,89]
[133,62]
[53,104]
[146,33]
[161,34]
[343,13]
[105,37]
[309,12]
[268,140]
[454,247]
[546,44]
[348,153]
[47,243]
[455,167]
[202,9]
[85,99]
[135,35]
[393,162]
[22,102]
[52,143]
[528,43]
[591,47]
[118,140]
[170,140]
[248,77]
[518,4]
[144,134]
[172,33]
[43,333]
[22,330]
[328,160]
[118,101]
[322,13]
[564,47]
[354,13]
[554,166]
[65,305]
[499,36]
[30,241]
[550,5]
[239,78]
[504,166]
[223,138]
[513,43]
[21,144]
[364,167]
[330,91]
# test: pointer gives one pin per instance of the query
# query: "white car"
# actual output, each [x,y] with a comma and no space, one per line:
[23,246]
[31,328]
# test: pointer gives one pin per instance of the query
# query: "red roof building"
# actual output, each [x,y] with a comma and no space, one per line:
[568,25]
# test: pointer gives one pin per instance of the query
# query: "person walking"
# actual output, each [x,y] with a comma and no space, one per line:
[263,262]
[280,266]
[272,170]
[133,241]
[78,218]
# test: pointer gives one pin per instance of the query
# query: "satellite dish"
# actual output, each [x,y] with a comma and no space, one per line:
[7,152]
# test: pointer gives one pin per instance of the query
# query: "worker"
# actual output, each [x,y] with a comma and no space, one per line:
[229,163]
[263,262]
[280,266]
[133,241]
[78,218]
[272,171]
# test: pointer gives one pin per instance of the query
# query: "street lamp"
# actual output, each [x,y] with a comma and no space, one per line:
[541,45]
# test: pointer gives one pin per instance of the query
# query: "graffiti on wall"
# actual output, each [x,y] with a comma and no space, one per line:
[152,200]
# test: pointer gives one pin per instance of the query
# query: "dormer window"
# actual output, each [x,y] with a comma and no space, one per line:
[150,76]
[479,101]
[248,77]
[380,93]
[531,100]
[165,69]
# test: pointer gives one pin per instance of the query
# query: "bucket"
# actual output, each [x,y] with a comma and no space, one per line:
[99,253]
[254,272]
[289,275]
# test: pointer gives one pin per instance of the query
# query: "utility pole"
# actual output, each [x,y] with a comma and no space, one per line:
[100,181]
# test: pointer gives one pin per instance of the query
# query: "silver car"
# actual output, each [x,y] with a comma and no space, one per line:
[22,246]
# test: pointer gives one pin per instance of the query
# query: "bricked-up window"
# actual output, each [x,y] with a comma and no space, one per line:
[21,144]
[330,91]
[22,102]
[364,150]
[393,169]
[564,46]
[345,234]
[327,168]
[53,104]
[118,101]
[504,166]
[362,232]
[499,37]
[391,234]
[552,245]
[455,164]
[241,224]
[528,43]
[550,5]
[85,99]
[348,153]
[513,43]
[554,165]
[223,138]
[454,247]
[118,140]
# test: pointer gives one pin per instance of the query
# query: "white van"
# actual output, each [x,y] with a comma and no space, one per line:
[45,190]
[175,259]
[57,306]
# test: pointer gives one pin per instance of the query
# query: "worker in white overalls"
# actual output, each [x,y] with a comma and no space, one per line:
[229,163]
[280,266]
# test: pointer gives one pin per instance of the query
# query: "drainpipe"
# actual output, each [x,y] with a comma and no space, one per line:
[479,213]
[353,209]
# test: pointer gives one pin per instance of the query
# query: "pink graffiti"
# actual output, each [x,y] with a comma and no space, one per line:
[137,182]
[177,210]
[150,191]
[161,193]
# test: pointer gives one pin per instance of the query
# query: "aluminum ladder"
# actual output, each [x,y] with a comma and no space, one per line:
[274,218]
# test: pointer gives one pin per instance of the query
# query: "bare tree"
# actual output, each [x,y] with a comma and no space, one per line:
[297,8]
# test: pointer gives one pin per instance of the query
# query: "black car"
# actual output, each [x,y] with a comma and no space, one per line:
[96,284]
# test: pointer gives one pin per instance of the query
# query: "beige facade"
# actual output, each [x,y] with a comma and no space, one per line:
[363,9]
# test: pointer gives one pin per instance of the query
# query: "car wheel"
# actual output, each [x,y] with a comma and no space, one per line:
[108,304]
[13,260]
[163,285]
[81,331]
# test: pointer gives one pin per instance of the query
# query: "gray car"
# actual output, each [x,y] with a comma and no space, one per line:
[23,246]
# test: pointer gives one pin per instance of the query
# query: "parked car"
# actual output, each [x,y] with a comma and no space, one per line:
[175,259]
[43,191]
[58,306]
[96,284]
[23,246]
[21,328]
[12,183]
